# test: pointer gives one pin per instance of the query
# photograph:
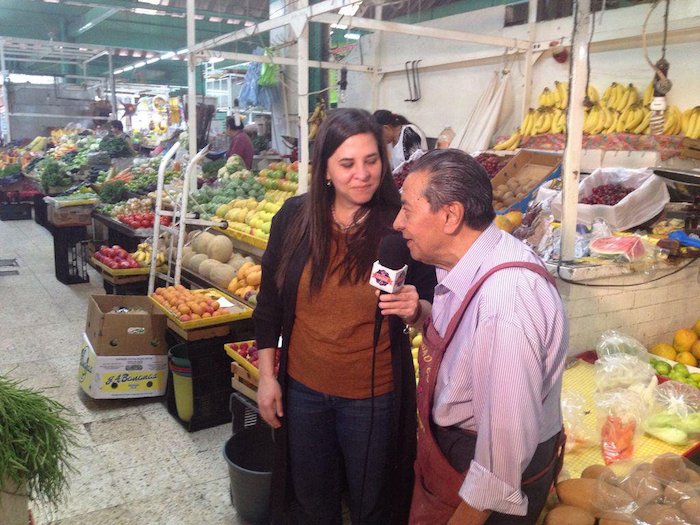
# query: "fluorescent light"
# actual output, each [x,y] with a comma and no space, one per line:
[136,54]
[183,51]
[85,27]
[349,10]
[233,21]
[216,60]
[248,23]
[152,60]
[353,36]
[142,11]
[139,64]
[123,52]
[339,26]
[215,19]
[118,71]
[168,55]
[127,68]
[152,2]
[198,17]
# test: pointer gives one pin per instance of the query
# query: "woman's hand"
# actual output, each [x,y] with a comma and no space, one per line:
[270,400]
[404,303]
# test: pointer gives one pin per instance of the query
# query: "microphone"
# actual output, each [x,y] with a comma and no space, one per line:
[389,271]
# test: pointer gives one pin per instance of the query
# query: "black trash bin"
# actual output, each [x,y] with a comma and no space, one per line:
[249,454]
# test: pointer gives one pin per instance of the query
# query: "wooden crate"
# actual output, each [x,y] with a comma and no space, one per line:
[243,381]
[197,334]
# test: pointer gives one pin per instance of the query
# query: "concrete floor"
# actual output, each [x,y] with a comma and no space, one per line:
[136,465]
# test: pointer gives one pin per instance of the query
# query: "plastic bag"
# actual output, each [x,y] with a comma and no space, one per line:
[648,199]
[268,72]
[573,411]
[620,414]
[612,342]
[677,417]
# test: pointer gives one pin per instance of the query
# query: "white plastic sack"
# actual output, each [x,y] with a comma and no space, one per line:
[648,199]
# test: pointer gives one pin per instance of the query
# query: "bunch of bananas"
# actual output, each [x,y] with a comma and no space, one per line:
[142,255]
[690,122]
[555,98]
[316,118]
[510,143]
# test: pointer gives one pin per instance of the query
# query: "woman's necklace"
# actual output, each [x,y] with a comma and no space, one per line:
[355,222]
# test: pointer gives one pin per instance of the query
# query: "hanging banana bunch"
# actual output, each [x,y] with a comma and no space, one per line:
[317,118]
[690,123]
[510,143]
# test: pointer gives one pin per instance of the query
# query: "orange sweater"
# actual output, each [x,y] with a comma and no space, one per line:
[331,345]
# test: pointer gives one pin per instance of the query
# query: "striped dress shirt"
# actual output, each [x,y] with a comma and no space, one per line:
[501,374]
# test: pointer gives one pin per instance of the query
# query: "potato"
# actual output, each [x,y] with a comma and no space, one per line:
[615,521]
[643,487]
[502,188]
[578,493]
[677,491]
[512,183]
[691,508]
[609,499]
[693,476]
[669,467]
[656,514]
[568,515]
[508,197]
[600,472]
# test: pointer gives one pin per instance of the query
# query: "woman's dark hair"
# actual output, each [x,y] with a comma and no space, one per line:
[385,117]
[116,124]
[231,123]
[314,222]
[400,120]
[455,176]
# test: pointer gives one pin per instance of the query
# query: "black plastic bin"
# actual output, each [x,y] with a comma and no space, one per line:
[249,454]
[40,211]
[70,254]
[15,211]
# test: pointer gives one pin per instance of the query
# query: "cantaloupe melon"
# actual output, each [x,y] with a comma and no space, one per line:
[206,267]
[195,261]
[220,248]
[221,275]
[187,257]
[201,242]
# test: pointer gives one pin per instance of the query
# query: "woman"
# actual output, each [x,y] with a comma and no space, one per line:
[402,137]
[331,430]
[241,144]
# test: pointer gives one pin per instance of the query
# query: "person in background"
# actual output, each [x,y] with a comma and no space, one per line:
[490,439]
[343,415]
[241,144]
[402,137]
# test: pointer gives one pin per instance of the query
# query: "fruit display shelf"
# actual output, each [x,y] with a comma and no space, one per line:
[198,281]
[233,353]
[250,240]
[124,272]
[237,310]
[56,203]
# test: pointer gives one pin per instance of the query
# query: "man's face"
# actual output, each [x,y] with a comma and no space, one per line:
[420,226]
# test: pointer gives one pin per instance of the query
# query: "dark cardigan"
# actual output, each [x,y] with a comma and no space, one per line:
[274,316]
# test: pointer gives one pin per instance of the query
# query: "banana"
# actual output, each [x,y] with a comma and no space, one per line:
[546,123]
[608,92]
[621,120]
[677,117]
[608,117]
[670,120]
[556,97]
[623,102]
[685,120]
[614,95]
[613,126]
[634,118]
[526,125]
[510,143]
[634,95]
[694,124]
[644,124]
[563,90]
[546,98]
[539,120]
[649,94]
[592,93]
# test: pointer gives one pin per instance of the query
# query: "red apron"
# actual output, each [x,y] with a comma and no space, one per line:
[437,483]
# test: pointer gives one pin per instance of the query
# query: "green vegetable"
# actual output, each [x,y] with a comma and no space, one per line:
[691,423]
[53,174]
[663,419]
[114,191]
[116,146]
[681,370]
[674,436]
[35,441]
[11,170]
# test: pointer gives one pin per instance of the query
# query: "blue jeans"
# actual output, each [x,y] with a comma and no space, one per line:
[328,437]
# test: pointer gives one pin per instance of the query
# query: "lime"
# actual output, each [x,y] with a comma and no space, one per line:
[695,376]
[662,368]
[681,369]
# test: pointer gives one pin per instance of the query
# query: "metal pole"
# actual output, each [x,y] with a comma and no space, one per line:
[191,89]
[376,77]
[303,101]
[6,114]
[532,33]
[574,125]
[112,85]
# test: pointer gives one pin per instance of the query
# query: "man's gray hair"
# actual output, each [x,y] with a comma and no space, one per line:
[454,176]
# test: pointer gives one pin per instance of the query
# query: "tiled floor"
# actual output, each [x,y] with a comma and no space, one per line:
[135,465]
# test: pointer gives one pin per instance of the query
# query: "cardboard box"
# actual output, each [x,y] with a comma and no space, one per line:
[532,165]
[136,333]
[110,377]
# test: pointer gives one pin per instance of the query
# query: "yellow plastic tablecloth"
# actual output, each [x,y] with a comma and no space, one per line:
[579,378]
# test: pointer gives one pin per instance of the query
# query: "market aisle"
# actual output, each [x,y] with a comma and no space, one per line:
[136,464]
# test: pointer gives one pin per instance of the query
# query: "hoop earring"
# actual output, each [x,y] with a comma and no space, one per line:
[328,183]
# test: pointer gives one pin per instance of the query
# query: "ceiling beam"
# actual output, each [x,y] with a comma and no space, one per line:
[423,31]
[89,20]
[245,57]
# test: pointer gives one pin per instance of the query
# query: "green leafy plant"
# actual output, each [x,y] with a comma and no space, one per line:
[53,174]
[114,191]
[35,442]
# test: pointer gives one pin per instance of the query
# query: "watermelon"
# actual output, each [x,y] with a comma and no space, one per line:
[630,247]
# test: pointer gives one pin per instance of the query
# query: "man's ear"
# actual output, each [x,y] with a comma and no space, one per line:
[454,217]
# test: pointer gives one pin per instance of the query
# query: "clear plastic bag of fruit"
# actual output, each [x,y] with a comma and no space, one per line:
[622,371]
[676,418]
[620,414]
[612,342]
[579,435]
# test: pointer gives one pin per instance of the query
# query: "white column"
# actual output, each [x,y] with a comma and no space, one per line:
[191,89]
[5,114]
[112,84]
[376,77]
[532,34]
[303,100]
[574,125]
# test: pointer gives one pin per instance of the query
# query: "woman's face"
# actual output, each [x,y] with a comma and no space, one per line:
[388,133]
[355,170]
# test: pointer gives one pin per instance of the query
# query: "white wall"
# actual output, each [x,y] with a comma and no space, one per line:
[449,94]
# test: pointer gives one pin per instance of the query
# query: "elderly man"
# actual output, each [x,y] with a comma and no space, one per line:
[490,431]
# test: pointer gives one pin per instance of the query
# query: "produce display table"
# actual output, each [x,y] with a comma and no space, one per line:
[119,233]
[211,375]
[580,378]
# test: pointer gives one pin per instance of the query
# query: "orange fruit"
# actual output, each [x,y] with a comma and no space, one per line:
[183,309]
[695,349]
[663,350]
[696,327]
[687,359]
[684,339]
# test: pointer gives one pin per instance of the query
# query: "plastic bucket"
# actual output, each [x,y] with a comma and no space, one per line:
[249,454]
[178,355]
[182,386]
